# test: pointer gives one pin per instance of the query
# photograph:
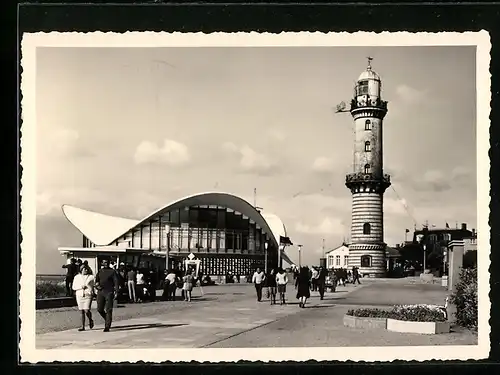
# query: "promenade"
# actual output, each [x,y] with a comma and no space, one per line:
[228,316]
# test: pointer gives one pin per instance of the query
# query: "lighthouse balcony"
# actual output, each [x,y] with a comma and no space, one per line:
[368,103]
[362,181]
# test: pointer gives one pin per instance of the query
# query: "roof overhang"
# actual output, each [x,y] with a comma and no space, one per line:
[102,249]
[103,229]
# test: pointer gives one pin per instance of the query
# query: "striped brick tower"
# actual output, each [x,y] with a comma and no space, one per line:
[368,182]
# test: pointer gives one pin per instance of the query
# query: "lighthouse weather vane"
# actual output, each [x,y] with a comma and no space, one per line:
[369,62]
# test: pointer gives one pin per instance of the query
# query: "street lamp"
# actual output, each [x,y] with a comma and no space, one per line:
[280,249]
[425,256]
[300,247]
[266,245]
[167,252]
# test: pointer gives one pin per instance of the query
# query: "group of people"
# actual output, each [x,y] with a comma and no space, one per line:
[173,280]
[306,280]
[104,287]
[275,283]
[343,275]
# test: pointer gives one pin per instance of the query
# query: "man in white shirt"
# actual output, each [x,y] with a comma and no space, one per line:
[314,279]
[258,280]
[171,278]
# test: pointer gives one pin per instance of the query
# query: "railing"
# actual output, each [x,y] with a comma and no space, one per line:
[377,103]
[358,177]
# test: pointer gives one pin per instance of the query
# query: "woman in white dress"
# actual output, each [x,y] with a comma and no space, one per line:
[83,285]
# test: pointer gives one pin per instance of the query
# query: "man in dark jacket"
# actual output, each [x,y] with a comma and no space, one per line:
[71,271]
[321,281]
[107,285]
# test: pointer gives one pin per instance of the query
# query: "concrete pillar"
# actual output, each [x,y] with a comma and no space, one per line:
[456,254]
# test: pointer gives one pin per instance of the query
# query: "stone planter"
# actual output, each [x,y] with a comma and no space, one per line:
[362,322]
[427,328]
[444,281]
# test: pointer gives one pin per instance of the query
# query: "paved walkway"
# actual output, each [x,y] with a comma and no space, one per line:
[230,317]
[196,324]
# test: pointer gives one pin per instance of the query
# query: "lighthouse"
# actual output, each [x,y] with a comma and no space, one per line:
[367,182]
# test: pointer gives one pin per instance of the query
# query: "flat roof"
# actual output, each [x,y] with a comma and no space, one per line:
[102,249]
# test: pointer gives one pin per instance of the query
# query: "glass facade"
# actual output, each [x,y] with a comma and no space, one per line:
[223,239]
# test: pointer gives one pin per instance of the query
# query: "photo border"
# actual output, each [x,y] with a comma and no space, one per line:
[28,228]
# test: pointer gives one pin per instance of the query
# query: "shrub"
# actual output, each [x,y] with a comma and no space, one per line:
[465,299]
[47,289]
[420,313]
[412,313]
[369,313]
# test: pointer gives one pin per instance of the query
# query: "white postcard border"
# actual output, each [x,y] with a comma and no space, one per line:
[29,44]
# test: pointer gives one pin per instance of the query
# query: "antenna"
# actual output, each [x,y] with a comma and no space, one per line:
[255,197]
[323,247]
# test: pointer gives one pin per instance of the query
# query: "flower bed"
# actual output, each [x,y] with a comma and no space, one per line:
[427,319]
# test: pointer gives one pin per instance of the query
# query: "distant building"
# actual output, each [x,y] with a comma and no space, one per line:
[436,241]
[338,257]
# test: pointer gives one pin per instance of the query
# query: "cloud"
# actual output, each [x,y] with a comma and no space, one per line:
[323,164]
[172,153]
[251,161]
[49,202]
[327,226]
[435,180]
[66,142]
[276,135]
[409,95]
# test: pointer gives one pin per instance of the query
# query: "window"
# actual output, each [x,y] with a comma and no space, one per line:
[363,88]
[330,261]
[337,260]
[367,228]
[368,147]
[368,125]
[366,261]
[367,168]
[346,260]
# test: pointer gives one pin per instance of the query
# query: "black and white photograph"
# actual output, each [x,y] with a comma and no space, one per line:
[265,197]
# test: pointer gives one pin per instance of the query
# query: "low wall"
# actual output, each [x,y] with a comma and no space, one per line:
[362,322]
[52,303]
[428,328]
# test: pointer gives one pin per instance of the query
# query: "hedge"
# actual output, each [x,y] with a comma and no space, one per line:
[48,289]
[465,299]
[412,313]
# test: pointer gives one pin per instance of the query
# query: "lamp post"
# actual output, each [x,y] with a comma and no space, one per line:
[266,245]
[167,251]
[425,256]
[300,263]
[280,249]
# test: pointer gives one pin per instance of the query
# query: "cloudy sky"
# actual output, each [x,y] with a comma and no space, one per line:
[124,131]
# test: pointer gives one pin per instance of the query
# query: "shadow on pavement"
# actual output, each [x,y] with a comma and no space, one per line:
[135,327]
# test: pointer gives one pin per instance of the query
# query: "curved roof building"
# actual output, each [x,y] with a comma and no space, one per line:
[224,231]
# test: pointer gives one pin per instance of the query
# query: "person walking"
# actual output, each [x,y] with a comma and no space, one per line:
[188,285]
[106,282]
[321,282]
[314,279]
[272,285]
[83,285]
[140,284]
[131,274]
[355,275]
[71,271]
[281,281]
[303,285]
[172,285]
[258,280]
